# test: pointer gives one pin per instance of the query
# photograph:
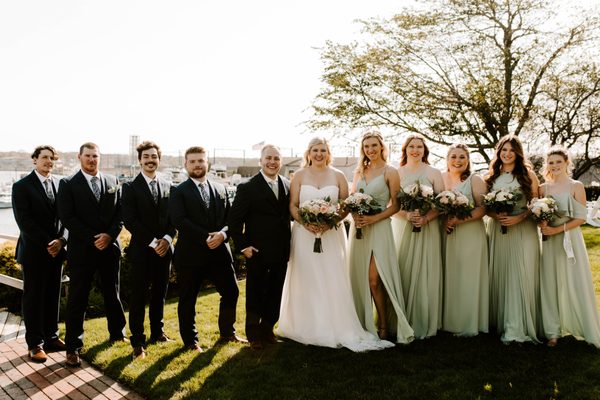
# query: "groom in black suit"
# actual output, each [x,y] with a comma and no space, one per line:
[259,223]
[89,206]
[199,209]
[145,214]
[40,251]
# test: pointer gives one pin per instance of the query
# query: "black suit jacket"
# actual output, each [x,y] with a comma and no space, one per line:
[85,217]
[145,219]
[194,222]
[260,219]
[37,219]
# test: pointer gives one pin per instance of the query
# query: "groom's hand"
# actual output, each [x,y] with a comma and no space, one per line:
[214,240]
[249,251]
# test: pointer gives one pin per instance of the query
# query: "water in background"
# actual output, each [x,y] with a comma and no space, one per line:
[8,226]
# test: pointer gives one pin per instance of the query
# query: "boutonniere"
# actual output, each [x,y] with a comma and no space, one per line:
[166,194]
[112,189]
[222,195]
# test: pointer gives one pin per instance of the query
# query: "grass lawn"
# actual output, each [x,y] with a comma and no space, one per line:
[443,367]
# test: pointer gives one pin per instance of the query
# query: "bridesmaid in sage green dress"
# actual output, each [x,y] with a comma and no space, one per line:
[466,283]
[373,269]
[514,264]
[420,253]
[568,299]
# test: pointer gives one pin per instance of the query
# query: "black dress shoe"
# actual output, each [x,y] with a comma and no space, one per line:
[233,339]
[161,338]
[270,338]
[256,345]
[38,355]
[118,340]
[194,347]
[55,345]
[73,359]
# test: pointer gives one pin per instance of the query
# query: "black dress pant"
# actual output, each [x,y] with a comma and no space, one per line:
[149,276]
[264,285]
[219,271]
[40,301]
[82,276]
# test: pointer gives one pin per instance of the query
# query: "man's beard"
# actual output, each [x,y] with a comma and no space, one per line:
[197,174]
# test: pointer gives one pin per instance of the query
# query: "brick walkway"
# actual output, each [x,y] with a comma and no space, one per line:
[22,379]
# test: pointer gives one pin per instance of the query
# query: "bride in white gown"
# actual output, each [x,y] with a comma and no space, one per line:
[317,306]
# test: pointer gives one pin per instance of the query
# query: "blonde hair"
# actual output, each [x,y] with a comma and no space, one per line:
[314,142]
[557,151]
[461,146]
[364,161]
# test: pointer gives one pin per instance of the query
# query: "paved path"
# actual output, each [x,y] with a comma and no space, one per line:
[22,379]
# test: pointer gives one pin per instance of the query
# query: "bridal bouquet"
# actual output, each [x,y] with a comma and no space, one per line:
[416,197]
[362,204]
[320,212]
[501,201]
[544,209]
[453,203]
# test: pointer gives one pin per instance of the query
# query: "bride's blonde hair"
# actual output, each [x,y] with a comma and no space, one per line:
[314,142]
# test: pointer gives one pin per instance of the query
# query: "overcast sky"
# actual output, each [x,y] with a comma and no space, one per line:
[222,74]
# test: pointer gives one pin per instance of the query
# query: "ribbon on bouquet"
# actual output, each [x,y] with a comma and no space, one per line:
[318,246]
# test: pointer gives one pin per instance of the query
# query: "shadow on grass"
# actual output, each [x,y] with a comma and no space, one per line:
[443,367]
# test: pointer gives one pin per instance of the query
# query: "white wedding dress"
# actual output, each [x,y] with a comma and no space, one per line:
[317,306]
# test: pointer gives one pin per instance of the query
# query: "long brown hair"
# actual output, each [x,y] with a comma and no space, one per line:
[404,157]
[313,142]
[363,161]
[522,166]
[467,172]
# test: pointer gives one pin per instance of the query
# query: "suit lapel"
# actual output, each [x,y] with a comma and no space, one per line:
[41,190]
[87,189]
[265,188]
[143,187]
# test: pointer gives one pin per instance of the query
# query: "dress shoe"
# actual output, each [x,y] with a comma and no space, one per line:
[233,339]
[161,338]
[139,352]
[270,338]
[55,345]
[118,340]
[194,347]
[37,354]
[256,345]
[73,360]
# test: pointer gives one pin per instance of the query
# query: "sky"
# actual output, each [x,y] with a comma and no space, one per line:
[225,75]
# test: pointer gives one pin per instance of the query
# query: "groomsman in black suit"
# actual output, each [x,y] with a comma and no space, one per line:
[145,214]
[89,206]
[198,209]
[40,251]
[259,223]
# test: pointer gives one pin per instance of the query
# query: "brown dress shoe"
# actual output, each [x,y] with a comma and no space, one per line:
[37,354]
[270,338]
[55,345]
[139,352]
[73,360]
[256,345]
[194,347]
[162,338]
[233,339]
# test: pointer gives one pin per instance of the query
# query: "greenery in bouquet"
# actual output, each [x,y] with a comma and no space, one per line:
[502,201]
[322,213]
[362,204]
[543,209]
[453,203]
[416,197]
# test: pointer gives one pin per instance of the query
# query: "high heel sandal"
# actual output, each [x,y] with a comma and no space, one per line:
[382,333]
[552,342]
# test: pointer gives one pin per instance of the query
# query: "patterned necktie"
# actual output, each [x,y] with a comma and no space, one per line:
[49,192]
[274,188]
[154,191]
[95,188]
[204,194]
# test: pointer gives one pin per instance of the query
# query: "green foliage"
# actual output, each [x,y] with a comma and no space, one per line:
[10,297]
[469,71]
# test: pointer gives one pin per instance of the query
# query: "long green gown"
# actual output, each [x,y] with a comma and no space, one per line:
[420,263]
[514,273]
[568,299]
[466,282]
[377,240]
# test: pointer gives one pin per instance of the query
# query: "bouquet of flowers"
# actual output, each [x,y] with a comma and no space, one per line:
[362,204]
[501,201]
[544,209]
[416,197]
[320,212]
[453,203]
